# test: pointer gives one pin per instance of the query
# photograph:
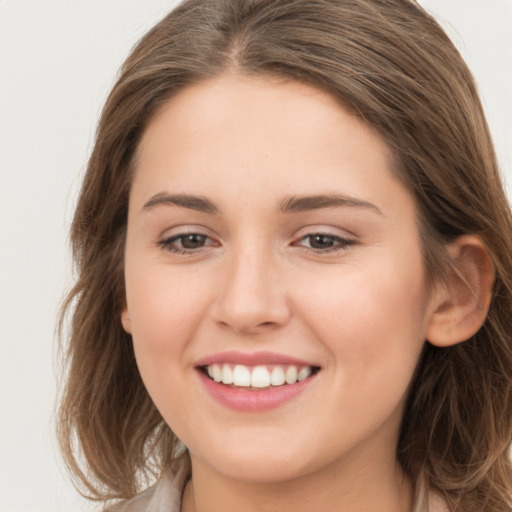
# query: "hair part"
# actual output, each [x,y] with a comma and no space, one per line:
[393,67]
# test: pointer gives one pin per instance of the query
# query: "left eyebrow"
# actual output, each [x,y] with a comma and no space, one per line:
[294,204]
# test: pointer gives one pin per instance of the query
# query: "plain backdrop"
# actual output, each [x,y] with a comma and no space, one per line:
[58,61]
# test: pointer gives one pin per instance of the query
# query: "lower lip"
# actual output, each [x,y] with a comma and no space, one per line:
[254,401]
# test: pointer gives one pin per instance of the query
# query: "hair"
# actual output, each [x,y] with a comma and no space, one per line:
[392,66]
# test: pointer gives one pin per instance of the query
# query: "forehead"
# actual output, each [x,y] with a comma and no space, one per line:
[239,134]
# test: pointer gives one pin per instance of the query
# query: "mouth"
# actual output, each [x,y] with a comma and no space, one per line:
[258,377]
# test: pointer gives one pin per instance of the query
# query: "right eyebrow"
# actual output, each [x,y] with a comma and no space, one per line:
[192,202]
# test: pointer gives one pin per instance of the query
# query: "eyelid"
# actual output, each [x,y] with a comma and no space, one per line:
[341,242]
[171,236]
[170,240]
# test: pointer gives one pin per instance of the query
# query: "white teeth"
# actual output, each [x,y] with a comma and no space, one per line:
[241,376]
[277,377]
[258,376]
[304,373]
[291,375]
[217,373]
[227,374]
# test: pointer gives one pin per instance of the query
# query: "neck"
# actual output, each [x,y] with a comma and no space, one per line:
[371,487]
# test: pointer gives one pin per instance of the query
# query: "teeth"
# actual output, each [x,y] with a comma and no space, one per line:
[227,374]
[304,373]
[277,377]
[241,376]
[217,373]
[260,377]
[291,375]
[257,376]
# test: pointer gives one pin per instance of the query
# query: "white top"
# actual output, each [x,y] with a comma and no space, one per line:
[165,496]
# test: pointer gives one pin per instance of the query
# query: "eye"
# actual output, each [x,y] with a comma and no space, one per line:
[322,242]
[186,243]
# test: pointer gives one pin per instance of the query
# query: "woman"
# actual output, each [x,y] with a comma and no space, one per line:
[294,286]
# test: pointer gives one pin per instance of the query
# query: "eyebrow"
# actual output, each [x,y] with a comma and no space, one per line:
[294,204]
[291,204]
[198,203]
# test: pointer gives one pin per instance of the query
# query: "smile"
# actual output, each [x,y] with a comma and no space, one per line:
[258,377]
[255,382]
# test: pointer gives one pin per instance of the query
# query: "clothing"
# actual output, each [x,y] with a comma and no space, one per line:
[165,496]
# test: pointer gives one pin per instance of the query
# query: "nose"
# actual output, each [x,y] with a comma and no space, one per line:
[252,297]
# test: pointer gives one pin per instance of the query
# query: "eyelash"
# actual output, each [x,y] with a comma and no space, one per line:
[169,244]
[340,243]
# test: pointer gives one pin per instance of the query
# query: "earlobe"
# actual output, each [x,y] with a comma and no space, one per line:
[126,320]
[462,301]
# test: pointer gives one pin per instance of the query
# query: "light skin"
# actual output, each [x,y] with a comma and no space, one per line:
[304,244]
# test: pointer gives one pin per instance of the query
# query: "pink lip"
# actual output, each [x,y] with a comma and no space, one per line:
[251,400]
[251,359]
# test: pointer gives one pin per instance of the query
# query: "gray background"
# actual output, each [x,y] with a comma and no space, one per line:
[58,61]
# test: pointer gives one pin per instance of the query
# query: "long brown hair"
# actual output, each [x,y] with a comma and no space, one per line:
[391,65]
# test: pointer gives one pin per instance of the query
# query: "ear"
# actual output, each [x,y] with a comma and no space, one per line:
[126,320]
[462,301]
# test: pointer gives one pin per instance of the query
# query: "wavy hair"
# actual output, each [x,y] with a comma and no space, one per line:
[392,66]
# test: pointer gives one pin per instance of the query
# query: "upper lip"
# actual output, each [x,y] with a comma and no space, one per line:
[252,359]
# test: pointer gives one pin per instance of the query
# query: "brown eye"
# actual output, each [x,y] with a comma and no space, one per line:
[321,241]
[192,241]
[187,243]
[324,243]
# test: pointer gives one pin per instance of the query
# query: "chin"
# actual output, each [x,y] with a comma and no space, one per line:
[260,470]
[259,462]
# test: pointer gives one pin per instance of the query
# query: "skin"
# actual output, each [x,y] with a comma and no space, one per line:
[358,307]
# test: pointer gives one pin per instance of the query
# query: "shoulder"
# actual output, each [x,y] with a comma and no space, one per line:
[436,503]
[138,503]
[426,500]
[164,496]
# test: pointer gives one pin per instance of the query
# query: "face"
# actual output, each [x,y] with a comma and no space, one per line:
[275,289]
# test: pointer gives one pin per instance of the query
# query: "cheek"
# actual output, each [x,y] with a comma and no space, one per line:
[165,313]
[166,309]
[371,319]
